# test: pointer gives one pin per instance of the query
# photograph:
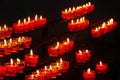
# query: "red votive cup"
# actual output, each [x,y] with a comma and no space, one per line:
[89,74]
[101,67]
[80,57]
[11,68]
[31,77]
[2,72]
[31,59]
[7,47]
[27,43]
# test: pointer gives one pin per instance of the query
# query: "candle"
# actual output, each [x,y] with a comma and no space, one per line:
[88,54]
[96,32]
[101,67]
[25,26]
[7,47]
[64,14]
[11,68]
[89,74]
[80,57]
[21,65]
[1,49]
[27,42]
[2,72]
[7,31]
[39,75]
[20,43]
[72,26]
[30,23]
[31,59]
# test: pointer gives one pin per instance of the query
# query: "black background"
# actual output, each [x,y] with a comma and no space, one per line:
[105,48]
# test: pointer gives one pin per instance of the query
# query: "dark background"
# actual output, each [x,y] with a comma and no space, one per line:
[105,48]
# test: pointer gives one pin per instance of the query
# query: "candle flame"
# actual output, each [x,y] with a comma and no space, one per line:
[28,18]
[66,10]
[65,43]
[11,61]
[40,17]
[36,17]
[111,20]
[84,6]
[103,25]
[18,60]
[24,21]
[96,29]
[69,10]
[72,21]
[57,64]
[58,44]
[32,76]
[61,61]
[68,40]
[5,26]
[86,50]
[83,19]
[89,3]
[45,68]
[50,67]
[19,22]
[19,39]
[77,21]
[80,52]
[100,63]
[31,52]
[88,71]
[10,40]
[73,9]
[5,42]
[37,71]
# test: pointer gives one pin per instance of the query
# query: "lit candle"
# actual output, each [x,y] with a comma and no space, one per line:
[31,59]
[1,49]
[96,32]
[11,68]
[7,47]
[21,65]
[27,42]
[80,57]
[72,25]
[30,23]
[89,74]
[20,43]
[31,77]
[101,67]
[88,54]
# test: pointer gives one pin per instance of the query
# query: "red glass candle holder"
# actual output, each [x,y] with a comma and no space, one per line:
[88,53]
[80,57]
[31,77]
[11,69]
[101,67]
[31,59]
[27,43]
[1,49]
[2,72]
[20,43]
[14,46]
[7,47]
[39,75]
[89,74]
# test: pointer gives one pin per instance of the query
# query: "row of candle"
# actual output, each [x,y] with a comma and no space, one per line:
[78,11]
[79,24]
[83,55]
[29,24]
[104,28]
[12,68]
[5,31]
[52,71]
[61,48]
[101,68]
[12,45]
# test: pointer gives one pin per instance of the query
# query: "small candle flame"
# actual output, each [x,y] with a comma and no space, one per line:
[57,64]
[77,21]
[89,3]
[66,10]
[32,76]
[72,21]
[69,10]
[31,52]
[111,20]
[80,52]
[73,9]
[19,39]
[28,18]
[84,6]
[86,50]
[18,61]
[100,63]
[50,67]
[10,40]
[11,61]
[24,21]
[5,42]
[40,17]
[103,25]
[68,40]
[5,26]
[36,17]
[65,43]
[96,29]
[19,22]
[88,71]
[45,68]
[58,44]
[37,71]
[61,61]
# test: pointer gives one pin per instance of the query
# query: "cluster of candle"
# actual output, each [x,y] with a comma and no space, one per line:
[79,24]
[89,74]
[12,45]
[31,59]
[83,55]
[78,11]
[104,28]
[61,48]
[29,24]
[12,68]
[5,31]
[48,72]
